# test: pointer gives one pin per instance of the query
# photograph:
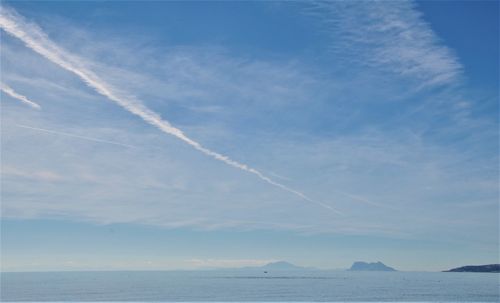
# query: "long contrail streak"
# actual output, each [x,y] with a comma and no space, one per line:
[35,39]
[9,91]
[72,135]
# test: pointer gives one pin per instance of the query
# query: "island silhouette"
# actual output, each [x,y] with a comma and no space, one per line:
[375,266]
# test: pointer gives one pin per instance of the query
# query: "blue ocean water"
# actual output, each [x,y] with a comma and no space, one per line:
[250,286]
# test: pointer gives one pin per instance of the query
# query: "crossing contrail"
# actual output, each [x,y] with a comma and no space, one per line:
[72,135]
[35,39]
[9,91]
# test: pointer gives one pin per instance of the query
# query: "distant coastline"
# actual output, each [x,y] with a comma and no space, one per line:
[493,268]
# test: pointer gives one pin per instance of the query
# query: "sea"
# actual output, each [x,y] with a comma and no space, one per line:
[246,286]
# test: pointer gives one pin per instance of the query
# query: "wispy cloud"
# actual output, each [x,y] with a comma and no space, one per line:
[37,40]
[9,91]
[285,116]
[73,135]
[39,175]
[390,36]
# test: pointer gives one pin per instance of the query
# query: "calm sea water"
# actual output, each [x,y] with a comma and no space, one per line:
[250,286]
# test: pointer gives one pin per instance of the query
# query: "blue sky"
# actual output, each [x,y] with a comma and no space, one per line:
[175,135]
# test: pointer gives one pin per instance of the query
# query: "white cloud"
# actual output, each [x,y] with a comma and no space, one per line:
[319,131]
[38,41]
[391,36]
[9,91]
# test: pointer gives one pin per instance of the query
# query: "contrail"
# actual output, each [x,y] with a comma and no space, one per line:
[9,91]
[34,38]
[73,135]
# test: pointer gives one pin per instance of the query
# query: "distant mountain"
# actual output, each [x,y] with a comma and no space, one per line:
[477,268]
[363,266]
